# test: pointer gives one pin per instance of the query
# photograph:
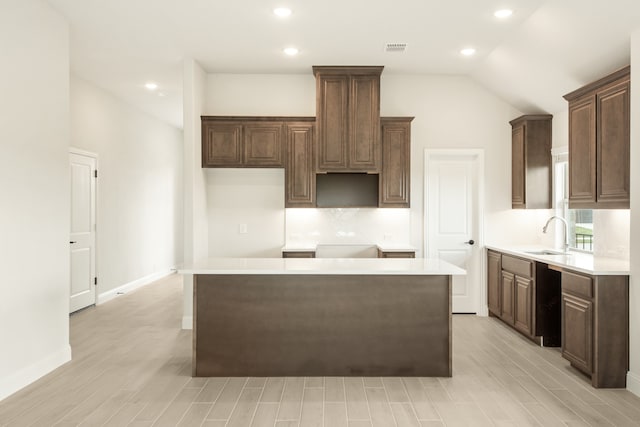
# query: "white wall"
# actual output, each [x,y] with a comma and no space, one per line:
[196,242]
[308,227]
[34,189]
[250,197]
[633,378]
[139,208]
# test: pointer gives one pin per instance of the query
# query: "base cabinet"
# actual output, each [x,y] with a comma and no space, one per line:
[524,295]
[595,326]
[494,288]
[298,254]
[522,318]
[577,330]
[508,292]
[396,254]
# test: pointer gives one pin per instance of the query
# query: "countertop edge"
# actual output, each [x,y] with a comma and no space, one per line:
[555,261]
[323,266]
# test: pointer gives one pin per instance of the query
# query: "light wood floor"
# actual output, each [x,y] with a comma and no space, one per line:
[131,366]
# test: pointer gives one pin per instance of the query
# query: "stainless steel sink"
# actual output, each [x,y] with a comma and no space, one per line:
[546,252]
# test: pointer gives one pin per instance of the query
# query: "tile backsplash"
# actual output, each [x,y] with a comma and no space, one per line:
[347,226]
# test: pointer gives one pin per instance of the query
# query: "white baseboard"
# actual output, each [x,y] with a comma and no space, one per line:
[128,287]
[33,372]
[633,383]
[187,322]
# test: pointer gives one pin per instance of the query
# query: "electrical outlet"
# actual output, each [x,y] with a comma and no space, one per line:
[242,229]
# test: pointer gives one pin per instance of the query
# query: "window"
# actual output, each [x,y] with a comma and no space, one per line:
[580,220]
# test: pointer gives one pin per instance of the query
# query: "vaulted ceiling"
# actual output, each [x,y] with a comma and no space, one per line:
[544,50]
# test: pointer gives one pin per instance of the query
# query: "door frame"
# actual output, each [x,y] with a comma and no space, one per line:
[478,155]
[75,150]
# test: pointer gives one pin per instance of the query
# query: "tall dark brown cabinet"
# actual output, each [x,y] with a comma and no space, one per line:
[531,162]
[299,169]
[599,141]
[348,119]
[395,178]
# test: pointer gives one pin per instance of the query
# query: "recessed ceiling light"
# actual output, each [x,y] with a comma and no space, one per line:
[282,12]
[468,51]
[503,13]
[151,85]
[291,51]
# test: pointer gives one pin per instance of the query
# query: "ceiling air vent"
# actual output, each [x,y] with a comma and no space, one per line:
[395,47]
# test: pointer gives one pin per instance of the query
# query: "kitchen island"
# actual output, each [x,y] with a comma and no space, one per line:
[321,317]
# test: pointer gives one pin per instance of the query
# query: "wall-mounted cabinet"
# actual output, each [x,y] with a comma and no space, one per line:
[348,119]
[395,178]
[531,162]
[599,143]
[299,167]
[237,142]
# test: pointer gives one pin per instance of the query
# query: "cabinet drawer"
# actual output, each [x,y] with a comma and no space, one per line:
[517,266]
[298,254]
[577,284]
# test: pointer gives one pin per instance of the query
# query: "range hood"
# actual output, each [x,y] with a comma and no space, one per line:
[347,190]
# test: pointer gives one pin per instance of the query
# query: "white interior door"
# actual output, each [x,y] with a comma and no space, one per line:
[452,211]
[82,240]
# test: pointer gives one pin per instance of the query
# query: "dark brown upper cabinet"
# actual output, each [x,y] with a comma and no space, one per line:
[348,119]
[531,162]
[395,178]
[599,141]
[221,144]
[238,142]
[299,168]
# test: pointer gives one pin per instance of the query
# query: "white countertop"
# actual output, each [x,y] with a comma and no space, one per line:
[362,266]
[577,261]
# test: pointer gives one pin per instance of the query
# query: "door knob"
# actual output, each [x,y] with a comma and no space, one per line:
[72,242]
[470,242]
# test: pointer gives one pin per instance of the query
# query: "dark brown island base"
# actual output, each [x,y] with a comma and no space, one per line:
[322,317]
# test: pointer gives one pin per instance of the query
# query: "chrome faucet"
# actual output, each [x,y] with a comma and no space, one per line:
[566,230]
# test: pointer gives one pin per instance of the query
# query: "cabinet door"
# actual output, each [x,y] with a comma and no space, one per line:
[221,145]
[494,273]
[613,146]
[396,151]
[332,119]
[582,153]
[518,166]
[506,300]
[577,330]
[364,124]
[299,174]
[263,144]
[523,302]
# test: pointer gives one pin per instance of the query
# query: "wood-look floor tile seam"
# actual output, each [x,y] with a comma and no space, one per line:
[538,401]
[236,402]
[87,397]
[551,395]
[413,408]
[255,411]
[216,399]
[388,402]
